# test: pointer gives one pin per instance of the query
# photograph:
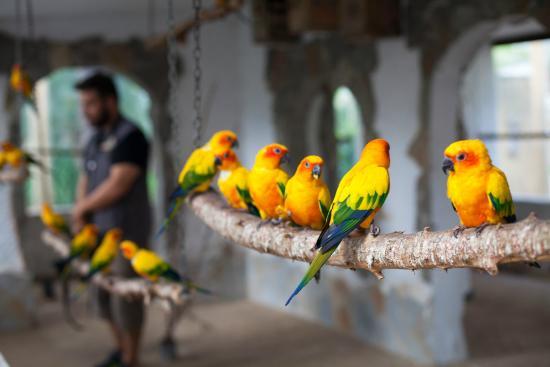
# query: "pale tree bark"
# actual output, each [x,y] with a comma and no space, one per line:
[15,175]
[524,241]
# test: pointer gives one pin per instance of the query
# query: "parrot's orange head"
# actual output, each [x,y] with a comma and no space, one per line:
[311,166]
[90,229]
[272,156]
[224,139]
[46,208]
[114,234]
[228,160]
[7,146]
[465,154]
[377,151]
[128,249]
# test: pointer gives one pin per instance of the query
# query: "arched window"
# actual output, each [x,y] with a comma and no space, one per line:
[57,135]
[348,129]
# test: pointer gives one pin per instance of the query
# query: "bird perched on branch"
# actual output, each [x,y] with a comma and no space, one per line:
[267,181]
[20,82]
[307,197]
[233,183]
[81,245]
[152,267]
[198,172]
[54,221]
[360,195]
[106,252]
[16,157]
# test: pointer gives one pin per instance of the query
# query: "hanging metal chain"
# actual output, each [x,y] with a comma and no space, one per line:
[17,38]
[197,74]
[172,58]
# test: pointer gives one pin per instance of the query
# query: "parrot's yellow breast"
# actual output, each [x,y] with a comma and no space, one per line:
[302,202]
[228,183]
[264,186]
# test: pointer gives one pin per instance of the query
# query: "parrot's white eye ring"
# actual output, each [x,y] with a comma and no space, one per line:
[306,164]
[277,151]
[461,157]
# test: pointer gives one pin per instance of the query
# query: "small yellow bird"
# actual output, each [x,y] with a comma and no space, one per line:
[106,252]
[307,197]
[151,266]
[82,244]
[478,191]
[21,83]
[198,172]
[54,221]
[267,180]
[15,156]
[233,183]
[360,195]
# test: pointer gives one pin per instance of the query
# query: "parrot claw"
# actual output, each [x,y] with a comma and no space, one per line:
[276,222]
[261,224]
[458,230]
[480,228]
[374,230]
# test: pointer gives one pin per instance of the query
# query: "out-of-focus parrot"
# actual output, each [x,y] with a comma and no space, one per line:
[151,266]
[233,183]
[106,252]
[82,244]
[198,172]
[15,156]
[21,83]
[307,197]
[267,181]
[360,195]
[54,221]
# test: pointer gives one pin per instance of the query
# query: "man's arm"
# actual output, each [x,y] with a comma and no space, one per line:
[81,187]
[122,177]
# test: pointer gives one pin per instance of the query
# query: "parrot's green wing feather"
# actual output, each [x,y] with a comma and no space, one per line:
[324,209]
[498,194]
[281,187]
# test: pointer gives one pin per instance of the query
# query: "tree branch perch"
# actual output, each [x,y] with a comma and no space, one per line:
[131,288]
[15,175]
[527,240]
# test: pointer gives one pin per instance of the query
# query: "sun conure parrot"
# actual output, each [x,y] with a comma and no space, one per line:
[478,191]
[198,172]
[152,267]
[15,156]
[267,181]
[233,183]
[54,221]
[106,252]
[307,197]
[21,83]
[81,245]
[360,195]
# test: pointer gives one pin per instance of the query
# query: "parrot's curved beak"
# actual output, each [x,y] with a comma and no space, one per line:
[316,171]
[217,161]
[235,144]
[285,159]
[447,166]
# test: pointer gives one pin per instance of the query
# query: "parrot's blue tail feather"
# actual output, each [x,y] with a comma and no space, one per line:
[176,199]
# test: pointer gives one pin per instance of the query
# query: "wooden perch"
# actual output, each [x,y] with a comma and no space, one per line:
[131,288]
[528,240]
[15,175]
[221,9]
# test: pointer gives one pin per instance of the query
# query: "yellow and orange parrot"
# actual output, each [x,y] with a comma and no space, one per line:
[198,172]
[360,195]
[152,267]
[54,221]
[307,197]
[106,252]
[82,244]
[267,181]
[15,157]
[21,83]
[233,183]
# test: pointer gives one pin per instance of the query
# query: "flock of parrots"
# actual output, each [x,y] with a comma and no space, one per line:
[478,191]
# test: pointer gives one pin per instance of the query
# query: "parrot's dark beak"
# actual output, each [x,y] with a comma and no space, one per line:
[447,166]
[217,161]
[285,159]
[235,144]
[316,171]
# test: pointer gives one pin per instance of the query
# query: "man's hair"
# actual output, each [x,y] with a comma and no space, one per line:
[102,83]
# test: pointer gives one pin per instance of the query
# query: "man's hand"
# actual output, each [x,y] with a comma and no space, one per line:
[78,217]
